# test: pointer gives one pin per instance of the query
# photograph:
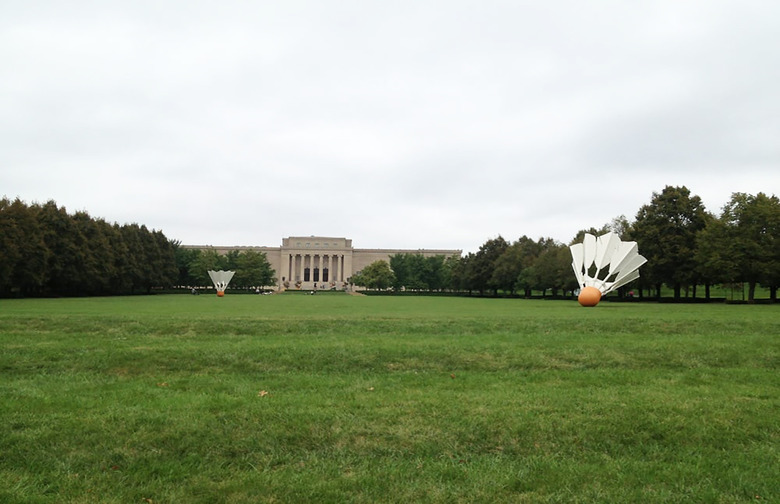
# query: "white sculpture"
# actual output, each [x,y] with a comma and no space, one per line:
[221,280]
[603,264]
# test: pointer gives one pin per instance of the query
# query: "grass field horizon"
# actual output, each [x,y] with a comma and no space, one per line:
[338,398]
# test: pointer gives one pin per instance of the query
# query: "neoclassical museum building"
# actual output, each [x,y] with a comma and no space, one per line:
[321,262]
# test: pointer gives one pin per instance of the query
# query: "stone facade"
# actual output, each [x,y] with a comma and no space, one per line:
[321,262]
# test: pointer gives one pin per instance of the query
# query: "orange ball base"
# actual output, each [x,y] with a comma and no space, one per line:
[589,296]
[220,293]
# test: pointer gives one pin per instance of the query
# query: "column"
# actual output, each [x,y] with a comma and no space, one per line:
[285,269]
[348,265]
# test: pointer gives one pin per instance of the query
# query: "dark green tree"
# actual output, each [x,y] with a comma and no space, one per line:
[437,273]
[404,272]
[621,226]
[208,259]
[480,266]
[137,272]
[98,267]
[553,269]
[230,260]
[529,251]
[456,268]
[68,251]
[606,228]
[420,273]
[507,268]
[185,258]
[10,236]
[376,275]
[713,263]
[167,271]
[44,250]
[665,231]
[753,224]
[23,253]
[120,282]
[153,260]
[253,270]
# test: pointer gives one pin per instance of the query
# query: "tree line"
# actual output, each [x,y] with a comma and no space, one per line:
[685,245]
[407,271]
[46,251]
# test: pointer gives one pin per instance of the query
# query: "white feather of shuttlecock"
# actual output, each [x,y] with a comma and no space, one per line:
[221,278]
[616,262]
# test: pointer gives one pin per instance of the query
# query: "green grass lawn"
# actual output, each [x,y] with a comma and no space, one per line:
[337,398]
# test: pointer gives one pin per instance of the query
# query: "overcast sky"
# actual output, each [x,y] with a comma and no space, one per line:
[403,124]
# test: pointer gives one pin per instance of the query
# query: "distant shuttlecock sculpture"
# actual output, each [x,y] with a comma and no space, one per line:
[221,280]
[603,264]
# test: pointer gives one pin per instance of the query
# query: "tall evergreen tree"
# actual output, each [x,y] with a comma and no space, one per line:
[24,255]
[166,270]
[10,236]
[68,250]
[98,265]
[135,271]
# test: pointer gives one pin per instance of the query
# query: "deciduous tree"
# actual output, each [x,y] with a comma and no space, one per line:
[376,275]
[253,270]
[753,227]
[665,230]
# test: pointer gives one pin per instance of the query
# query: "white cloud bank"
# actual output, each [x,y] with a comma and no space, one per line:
[406,124]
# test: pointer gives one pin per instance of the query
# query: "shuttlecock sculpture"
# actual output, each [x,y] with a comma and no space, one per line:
[603,264]
[221,280]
